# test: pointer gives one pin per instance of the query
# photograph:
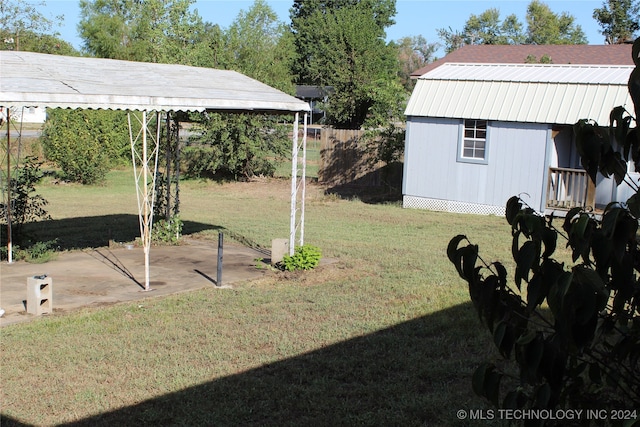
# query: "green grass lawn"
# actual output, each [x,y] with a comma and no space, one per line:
[383,336]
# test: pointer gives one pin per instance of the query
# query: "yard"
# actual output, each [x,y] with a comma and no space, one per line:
[383,336]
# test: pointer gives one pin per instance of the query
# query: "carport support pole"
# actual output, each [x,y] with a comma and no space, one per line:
[294,186]
[304,178]
[8,205]
[298,189]
[146,198]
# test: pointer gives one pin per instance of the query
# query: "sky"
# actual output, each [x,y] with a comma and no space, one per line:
[413,17]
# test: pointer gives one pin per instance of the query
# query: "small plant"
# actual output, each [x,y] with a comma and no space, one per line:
[41,252]
[305,257]
[37,253]
[25,205]
[167,231]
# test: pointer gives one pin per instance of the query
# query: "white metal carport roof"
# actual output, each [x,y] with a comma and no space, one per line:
[36,79]
[532,93]
[40,80]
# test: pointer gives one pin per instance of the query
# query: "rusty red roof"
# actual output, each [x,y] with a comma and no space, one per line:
[615,54]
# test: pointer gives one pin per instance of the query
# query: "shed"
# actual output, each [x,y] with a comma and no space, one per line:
[41,80]
[479,133]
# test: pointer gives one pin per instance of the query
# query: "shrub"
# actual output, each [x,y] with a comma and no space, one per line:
[37,253]
[25,205]
[305,257]
[237,146]
[85,144]
[167,231]
[571,331]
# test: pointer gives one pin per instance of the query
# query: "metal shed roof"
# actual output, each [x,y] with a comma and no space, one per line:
[533,93]
[34,79]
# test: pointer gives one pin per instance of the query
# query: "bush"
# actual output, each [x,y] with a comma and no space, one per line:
[236,146]
[25,205]
[167,231]
[37,253]
[305,257]
[85,144]
[572,332]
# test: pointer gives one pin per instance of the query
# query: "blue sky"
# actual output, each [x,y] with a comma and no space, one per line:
[413,17]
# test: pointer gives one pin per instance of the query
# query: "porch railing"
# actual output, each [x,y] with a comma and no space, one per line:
[569,188]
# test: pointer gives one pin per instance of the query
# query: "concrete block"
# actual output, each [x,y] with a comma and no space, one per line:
[279,248]
[39,295]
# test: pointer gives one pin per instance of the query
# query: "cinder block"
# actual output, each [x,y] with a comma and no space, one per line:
[279,248]
[39,295]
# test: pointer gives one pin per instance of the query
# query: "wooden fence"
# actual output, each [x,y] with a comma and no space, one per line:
[346,161]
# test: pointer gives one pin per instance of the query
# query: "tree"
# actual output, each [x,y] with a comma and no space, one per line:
[543,27]
[243,145]
[618,19]
[261,47]
[547,27]
[43,43]
[160,31]
[236,146]
[20,18]
[413,54]
[486,28]
[574,332]
[341,44]
[452,39]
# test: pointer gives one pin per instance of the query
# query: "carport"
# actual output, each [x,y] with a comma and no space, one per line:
[40,80]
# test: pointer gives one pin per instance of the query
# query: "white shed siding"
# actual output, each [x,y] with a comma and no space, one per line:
[516,164]
[430,150]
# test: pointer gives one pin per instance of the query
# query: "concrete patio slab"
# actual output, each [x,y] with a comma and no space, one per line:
[95,277]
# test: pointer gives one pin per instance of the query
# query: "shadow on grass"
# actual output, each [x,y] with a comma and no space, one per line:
[94,231]
[9,421]
[414,373]
[383,185]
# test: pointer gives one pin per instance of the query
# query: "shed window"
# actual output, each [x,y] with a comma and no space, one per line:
[473,144]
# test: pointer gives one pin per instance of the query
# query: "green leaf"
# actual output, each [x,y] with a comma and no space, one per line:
[478,378]
[504,338]
[633,204]
[612,377]
[589,146]
[512,209]
[527,257]
[486,382]
[549,238]
[514,400]
[469,257]
[543,395]
[536,291]
[558,291]
[526,338]
[594,373]
[454,254]
[501,272]
[492,386]
[533,352]
[619,124]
